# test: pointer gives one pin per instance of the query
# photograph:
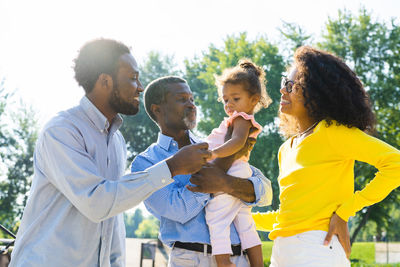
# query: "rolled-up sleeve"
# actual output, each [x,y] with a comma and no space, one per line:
[262,189]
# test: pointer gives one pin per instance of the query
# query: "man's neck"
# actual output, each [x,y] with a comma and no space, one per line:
[181,136]
[103,107]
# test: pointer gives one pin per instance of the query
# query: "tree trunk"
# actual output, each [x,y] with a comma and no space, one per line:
[360,225]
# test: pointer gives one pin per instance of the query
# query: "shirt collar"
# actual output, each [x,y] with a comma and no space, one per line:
[98,119]
[166,141]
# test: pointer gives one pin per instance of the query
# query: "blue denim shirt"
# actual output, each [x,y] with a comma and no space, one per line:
[180,211]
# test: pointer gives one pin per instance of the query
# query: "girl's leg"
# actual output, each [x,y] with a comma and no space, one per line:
[220,212]
[246,227]
[248,236]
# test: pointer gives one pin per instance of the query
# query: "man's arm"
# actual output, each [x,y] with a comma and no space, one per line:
[211,179]
[69,167]
[174,201]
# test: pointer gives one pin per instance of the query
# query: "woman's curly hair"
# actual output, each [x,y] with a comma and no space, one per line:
[331,90]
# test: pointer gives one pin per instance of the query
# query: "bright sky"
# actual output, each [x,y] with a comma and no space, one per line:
[39,39]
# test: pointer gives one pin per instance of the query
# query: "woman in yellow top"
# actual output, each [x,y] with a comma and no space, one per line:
[327,113]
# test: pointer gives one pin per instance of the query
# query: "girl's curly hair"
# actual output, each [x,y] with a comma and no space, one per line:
[251,76]
[331,90]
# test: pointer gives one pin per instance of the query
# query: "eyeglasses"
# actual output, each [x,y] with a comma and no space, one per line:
[288,84]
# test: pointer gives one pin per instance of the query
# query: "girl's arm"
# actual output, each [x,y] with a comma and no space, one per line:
[241,128]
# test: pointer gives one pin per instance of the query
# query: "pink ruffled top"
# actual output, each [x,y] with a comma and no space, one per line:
[217,136]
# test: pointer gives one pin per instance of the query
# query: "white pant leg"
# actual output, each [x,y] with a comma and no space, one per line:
[307,250]
[222,210]
[186,258]
[246,227]
[220,213]
[243,221]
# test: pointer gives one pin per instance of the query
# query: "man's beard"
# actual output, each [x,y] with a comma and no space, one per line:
[190,124]
[121,106]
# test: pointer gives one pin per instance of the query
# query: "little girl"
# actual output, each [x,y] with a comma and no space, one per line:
[243,93]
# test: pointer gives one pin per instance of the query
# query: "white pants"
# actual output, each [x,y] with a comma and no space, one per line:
[186,258]
[307,250]
[224,209]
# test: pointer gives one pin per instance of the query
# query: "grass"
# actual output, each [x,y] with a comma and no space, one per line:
[363,252]
[267,251]
[362,255]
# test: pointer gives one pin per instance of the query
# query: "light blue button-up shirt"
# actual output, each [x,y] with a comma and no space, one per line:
[73,214]
[180,211]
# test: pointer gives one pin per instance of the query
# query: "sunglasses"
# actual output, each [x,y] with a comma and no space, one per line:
[288,84]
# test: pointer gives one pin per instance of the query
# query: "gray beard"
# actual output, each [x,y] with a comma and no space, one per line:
[190,124]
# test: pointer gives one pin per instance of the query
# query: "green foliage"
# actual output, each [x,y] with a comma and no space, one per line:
[393,227]
[140,131]
[372,49]
[16,152]
[200,74]
[293,36]
[132,222]
[148,228]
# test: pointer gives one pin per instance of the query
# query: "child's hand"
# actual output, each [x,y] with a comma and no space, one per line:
[213,156]
[250,142]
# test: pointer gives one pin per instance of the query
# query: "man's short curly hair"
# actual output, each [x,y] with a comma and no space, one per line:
[156,92]
[332,91]
[96,57]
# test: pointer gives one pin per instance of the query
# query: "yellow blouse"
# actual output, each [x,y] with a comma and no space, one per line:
[316,179]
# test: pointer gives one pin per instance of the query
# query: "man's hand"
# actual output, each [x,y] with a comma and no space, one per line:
[246,149]
[338,226]
[189,159]
[210,179]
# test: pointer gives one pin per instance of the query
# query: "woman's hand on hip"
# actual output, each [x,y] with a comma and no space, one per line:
[338,226]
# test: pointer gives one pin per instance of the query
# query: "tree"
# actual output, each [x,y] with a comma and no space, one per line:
[132,222]
[200,73]
[18,140]
[140,131]
[293,36]
[371,48]
[148,228]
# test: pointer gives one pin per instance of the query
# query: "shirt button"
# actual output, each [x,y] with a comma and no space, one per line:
[163,181]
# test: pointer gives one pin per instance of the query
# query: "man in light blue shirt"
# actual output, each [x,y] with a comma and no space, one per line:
[73,214]
[169,102]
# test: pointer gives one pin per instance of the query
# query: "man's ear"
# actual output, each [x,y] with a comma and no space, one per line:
[156,109]
[106,81]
